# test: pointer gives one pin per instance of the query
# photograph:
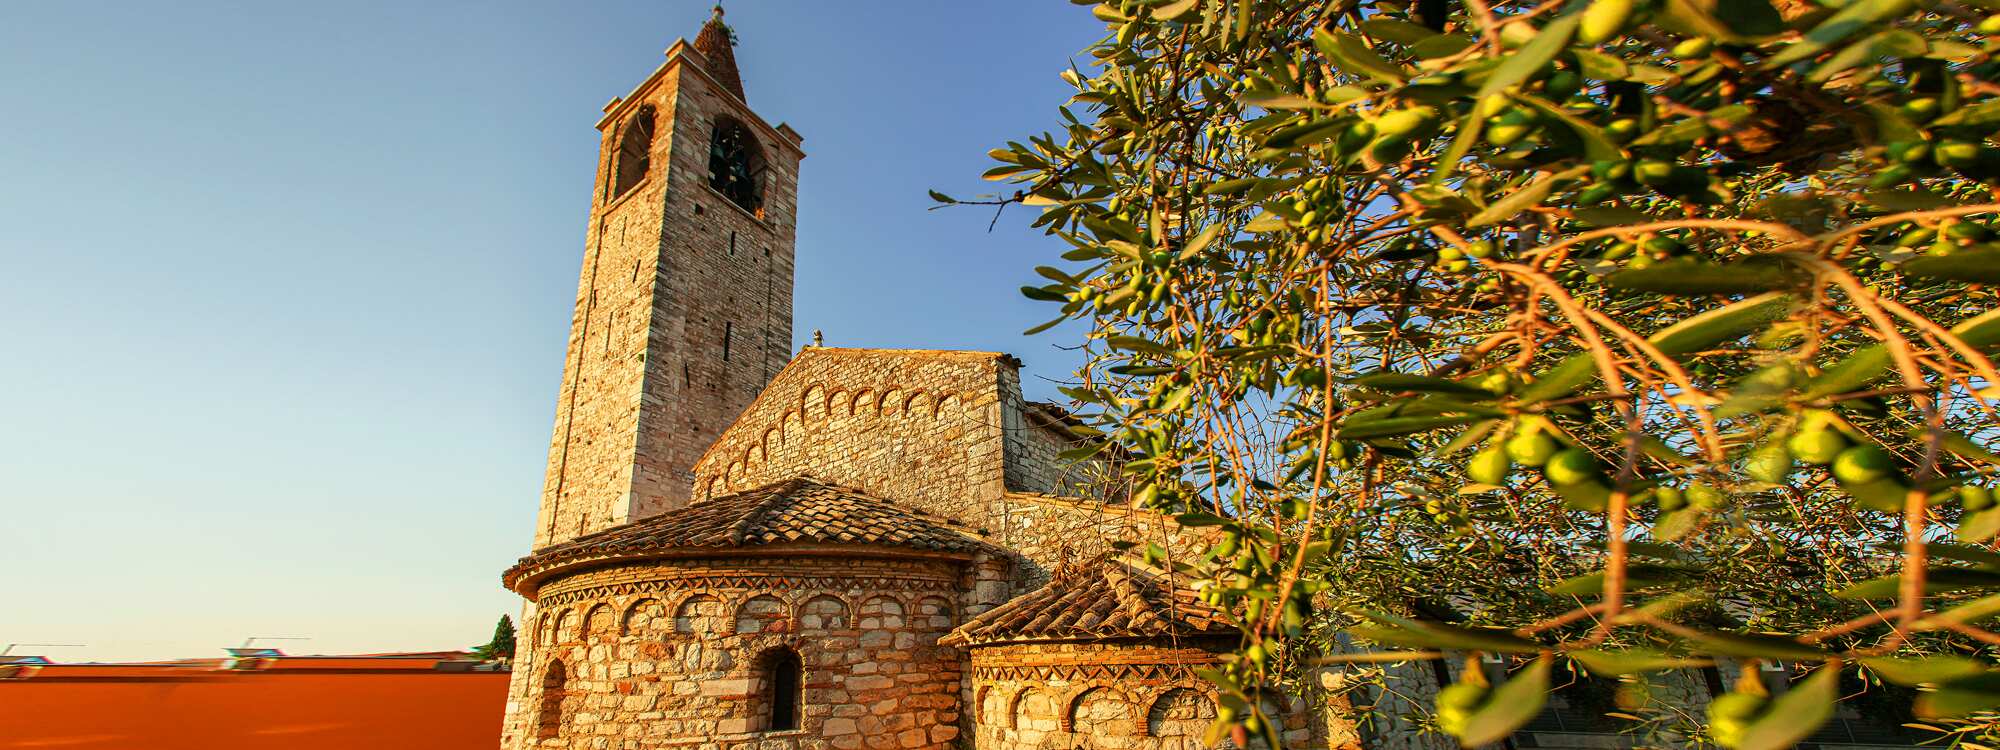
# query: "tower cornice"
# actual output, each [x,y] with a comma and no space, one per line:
[683,53]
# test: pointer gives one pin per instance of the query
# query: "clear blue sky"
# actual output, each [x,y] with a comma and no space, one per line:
[284,290]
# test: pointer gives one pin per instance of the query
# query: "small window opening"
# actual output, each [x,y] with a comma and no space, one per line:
[635,153]
[784,679]
[732,244]
[555,682]
[728,329]
[736,165]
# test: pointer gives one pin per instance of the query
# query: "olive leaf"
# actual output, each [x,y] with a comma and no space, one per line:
[1630,661]
[1524,198]
[1913,671]
[1852,18]
[1753,645]
[1396,30]
[1976,115]
[1354,55]
[1689,277]
[1531,57]
[1936,581]
[1397,381]
[1511,705]
[1796,714]
[1397,631]
[1960,696]
[1980,266]
[1695,333]
[1637,576]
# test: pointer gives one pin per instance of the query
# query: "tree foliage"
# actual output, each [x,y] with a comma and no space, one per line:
[502,645]
[1619,336]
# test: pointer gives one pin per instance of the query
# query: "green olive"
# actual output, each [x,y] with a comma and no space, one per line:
[1817,446]
[1694,48]
[1862,464]
[1670,498]
[1571,467]
[1457,704]
[1532,448]
[1704,497]
[1975,498]
[1490,466]
[1770,463]
[1731,714]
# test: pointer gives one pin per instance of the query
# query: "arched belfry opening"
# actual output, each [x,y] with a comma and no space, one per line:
[635,151]
[736,165]
[784,680]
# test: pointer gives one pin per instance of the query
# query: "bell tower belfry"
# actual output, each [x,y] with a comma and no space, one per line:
[684,307]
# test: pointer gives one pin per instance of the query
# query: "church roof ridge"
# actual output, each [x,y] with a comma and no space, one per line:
[797,511]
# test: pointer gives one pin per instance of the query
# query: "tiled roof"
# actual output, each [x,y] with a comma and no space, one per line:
[1108,599]
[798,511]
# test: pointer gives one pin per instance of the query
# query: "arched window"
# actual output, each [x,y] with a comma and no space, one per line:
[555,688]
[783,678]
[635,152]
[736,165]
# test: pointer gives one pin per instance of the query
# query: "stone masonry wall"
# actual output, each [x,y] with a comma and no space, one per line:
[1035,442]
[916,427]
[724,329]
[1049,532]
[670,269]
[1101,696]
[674,653]
[931,429]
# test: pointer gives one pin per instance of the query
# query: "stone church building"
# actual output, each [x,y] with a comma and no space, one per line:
[740,546]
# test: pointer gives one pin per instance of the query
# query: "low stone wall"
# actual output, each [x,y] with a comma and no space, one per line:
[678,653]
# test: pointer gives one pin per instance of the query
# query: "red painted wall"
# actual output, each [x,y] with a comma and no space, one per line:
[171,708]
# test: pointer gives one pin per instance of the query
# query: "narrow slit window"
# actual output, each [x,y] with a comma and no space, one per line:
[728,331]
[785,673]
[732,244]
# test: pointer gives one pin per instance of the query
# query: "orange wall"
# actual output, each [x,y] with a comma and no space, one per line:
[211,710]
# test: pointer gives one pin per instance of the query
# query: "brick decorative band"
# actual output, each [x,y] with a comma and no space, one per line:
[764,584]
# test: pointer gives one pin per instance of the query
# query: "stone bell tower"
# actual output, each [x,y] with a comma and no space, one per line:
[684,308]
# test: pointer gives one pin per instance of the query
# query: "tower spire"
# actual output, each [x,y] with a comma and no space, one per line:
[717,45]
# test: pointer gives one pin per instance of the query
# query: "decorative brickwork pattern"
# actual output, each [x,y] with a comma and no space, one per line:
[1132,694]
[653,657]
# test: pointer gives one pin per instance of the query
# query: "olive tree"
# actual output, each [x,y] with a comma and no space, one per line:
[1616,337]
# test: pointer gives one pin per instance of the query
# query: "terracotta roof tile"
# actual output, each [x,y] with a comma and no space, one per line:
[1104,600]
[800,510]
